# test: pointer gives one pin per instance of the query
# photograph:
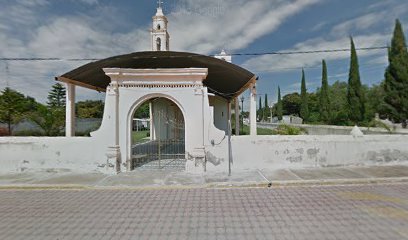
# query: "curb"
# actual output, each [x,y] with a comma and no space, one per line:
[222,185]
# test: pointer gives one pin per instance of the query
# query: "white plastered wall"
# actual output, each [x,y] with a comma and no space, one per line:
[275,152]
[109,148]
[220,112]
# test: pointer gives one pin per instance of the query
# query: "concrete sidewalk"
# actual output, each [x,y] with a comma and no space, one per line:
[168,179]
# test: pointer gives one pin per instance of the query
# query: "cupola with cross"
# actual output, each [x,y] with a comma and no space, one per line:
[160,38]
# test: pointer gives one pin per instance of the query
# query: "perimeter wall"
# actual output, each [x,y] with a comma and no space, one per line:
[260,152]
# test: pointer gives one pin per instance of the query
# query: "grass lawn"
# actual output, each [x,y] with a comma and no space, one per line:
[140,136]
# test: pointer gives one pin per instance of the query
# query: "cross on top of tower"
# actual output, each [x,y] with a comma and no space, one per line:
[159,3]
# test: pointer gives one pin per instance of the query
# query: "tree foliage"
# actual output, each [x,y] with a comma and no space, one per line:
[375,101]
[49,119]
[143,111]
[339,104]
[260,110]
[266,110]
[56,97]
[396,78]
[90,109]
[304,106]
[355,94]
[291,104]
[279,108]
[324,100]
[14,107]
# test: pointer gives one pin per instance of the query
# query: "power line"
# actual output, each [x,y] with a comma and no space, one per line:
[233,54]
[308,52]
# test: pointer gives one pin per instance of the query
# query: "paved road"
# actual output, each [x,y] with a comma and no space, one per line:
[324,212]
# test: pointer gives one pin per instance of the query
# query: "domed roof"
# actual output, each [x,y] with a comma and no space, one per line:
[224,79]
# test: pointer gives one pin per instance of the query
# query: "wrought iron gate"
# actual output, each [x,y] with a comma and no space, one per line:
[166,148]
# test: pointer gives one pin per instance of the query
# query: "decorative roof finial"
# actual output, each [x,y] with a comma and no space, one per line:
[159,3]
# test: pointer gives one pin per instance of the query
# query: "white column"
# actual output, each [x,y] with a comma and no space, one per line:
[152,133]
[70,111]
[252,113]
[116,148]
[113,154]
[229,139]
[237,122]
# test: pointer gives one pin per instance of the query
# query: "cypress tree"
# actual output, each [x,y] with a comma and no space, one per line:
[260,110]
[355,94]
[279,108]
[325,114]
[266,107]
[304,106]
[396,78]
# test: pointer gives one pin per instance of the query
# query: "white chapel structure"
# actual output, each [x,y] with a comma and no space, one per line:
[189,97]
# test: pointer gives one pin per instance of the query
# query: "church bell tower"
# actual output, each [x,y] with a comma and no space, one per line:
[160,37]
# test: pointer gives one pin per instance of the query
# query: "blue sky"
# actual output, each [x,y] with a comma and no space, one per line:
[101,28]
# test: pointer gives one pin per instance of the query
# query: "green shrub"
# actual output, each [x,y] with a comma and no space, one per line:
[289,130]
[28,133]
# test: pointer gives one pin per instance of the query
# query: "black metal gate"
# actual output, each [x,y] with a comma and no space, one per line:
[165,149]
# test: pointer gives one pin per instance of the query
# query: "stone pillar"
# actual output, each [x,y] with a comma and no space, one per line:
[70,111]
[252,113]
[237,122]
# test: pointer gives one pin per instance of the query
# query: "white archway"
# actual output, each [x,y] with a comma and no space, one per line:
[138,103]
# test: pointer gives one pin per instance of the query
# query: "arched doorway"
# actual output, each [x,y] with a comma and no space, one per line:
[158,136]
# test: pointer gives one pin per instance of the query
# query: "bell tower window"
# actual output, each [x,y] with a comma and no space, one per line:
[158,44]
[158,27]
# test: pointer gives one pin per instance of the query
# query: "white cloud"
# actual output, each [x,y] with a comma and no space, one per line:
[64,37]
[90,2]
[21,13]
[230,24]
[290,62]
[195,25]
[371,29]
[360,23]
[282,62]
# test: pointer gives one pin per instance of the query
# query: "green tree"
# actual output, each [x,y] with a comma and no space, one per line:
[143,111]
[325,114]
[291,104]
[56,97]
[338,103]
[396,78]
[266,108]
[14,106]
[304,106]
[49,119]
[90,109]
[279,110]
[314,107]
[355,94]
[260,110]
[375,101]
